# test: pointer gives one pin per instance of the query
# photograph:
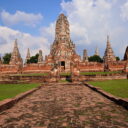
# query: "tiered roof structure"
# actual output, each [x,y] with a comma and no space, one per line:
[126,54]
[63,49]
[40,58]
[109,54]
[27,56]
[15,56]
[85,56]
[97,52]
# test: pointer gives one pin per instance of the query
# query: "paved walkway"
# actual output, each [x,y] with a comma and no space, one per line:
[64,106]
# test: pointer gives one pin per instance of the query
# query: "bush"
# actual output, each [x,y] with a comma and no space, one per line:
[95,58]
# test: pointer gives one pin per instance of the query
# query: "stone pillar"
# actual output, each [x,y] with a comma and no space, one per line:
[0,61]
[97,52]
[40,58]
[85,56]
[27,56]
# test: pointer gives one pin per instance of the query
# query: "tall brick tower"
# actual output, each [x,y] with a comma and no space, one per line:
[97,52]
[85,56]
[109,54]
[27,56]
[62,51]
[126,54]
[40,58]
[15,56]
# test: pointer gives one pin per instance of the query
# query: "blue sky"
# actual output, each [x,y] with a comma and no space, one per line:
[32,22]
[48,8]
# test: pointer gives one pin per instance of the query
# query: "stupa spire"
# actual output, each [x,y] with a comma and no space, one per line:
[62,28]
[0,60]
[97,51]
[109,54]
[126,54]
[85,55]
[40,58]
[27,56]
[15,56]
[108,39]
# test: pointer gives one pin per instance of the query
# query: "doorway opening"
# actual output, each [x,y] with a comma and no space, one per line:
[63,65]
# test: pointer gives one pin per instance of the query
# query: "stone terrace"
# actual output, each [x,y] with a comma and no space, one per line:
[64,106]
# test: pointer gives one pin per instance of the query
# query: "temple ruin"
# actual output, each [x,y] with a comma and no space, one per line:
[63,56]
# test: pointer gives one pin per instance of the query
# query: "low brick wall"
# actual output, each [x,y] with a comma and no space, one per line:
[120,101]
[8,103]
[102,77]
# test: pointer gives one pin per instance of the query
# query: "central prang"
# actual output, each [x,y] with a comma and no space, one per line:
[62,52]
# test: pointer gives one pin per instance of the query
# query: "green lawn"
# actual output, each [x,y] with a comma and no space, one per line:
[11,90]
[116,87]
[32,74]
[99,73]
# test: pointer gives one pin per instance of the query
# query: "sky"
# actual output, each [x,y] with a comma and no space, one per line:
[32,23]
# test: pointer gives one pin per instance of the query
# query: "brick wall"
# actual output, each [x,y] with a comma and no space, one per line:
[91,67]
[36,68]
[10,69]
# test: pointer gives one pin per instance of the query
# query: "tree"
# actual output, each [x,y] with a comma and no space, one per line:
[33,59]
[6,58]
[95,58]
[117,58]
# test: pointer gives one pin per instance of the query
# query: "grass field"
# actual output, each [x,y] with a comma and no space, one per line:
[11,90]
[99,73]
[116,87]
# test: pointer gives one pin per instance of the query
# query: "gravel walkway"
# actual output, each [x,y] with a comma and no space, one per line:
[64,106]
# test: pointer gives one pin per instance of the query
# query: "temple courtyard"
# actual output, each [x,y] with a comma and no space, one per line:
[64,105]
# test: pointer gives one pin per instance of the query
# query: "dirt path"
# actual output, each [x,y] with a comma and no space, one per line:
[65,106]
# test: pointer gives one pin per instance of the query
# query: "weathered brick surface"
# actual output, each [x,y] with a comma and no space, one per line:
[91,67]
[117,66]
[63,106]
[9,69]
[36,68]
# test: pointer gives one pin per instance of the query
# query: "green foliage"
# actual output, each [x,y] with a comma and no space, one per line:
[116,87]
[95,58]
[11,90]
[33,59]
[6,58]
[117,58]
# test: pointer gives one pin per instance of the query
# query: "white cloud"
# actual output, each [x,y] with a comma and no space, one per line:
[25,40]
[92,20]
[28,19]
[88,17]
[124,11]
[48,32]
